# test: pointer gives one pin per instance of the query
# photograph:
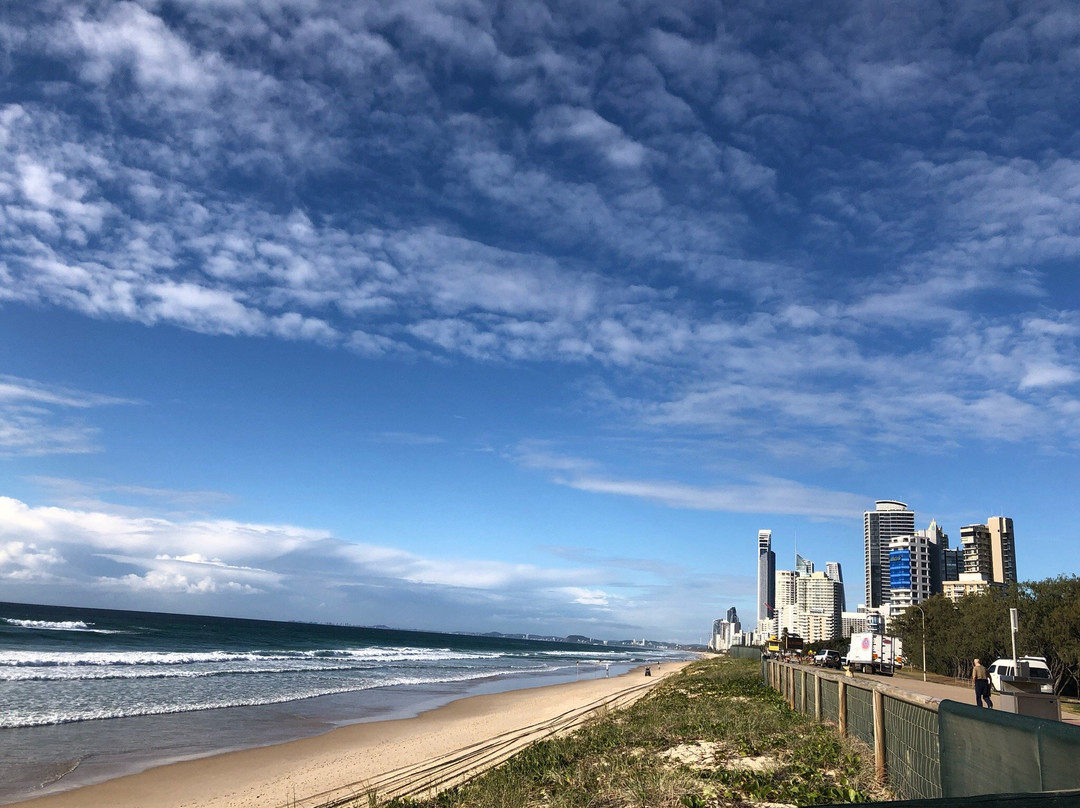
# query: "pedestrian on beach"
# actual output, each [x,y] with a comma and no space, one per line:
[647,671]
[982,685]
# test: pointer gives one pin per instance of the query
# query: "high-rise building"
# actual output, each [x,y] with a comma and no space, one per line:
[786,593]
[803,566]
[952,564]
[939,544]
[910,559]
[818,601]
[766,581]
[975,546]
[726,633]
[988,553]
[1002,549]
[834,571]
[786,611]
[888,519]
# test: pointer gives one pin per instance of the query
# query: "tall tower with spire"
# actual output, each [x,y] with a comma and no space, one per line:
[766,581]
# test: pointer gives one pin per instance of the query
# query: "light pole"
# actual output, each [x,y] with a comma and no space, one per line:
[923,613]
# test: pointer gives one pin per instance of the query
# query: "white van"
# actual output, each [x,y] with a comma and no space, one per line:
[1036,668]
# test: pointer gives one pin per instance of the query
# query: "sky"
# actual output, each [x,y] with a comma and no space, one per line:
[527,316]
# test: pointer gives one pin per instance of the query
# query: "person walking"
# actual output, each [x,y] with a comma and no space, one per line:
[982,685]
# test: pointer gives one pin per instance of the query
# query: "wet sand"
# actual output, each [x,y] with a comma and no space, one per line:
[411,756]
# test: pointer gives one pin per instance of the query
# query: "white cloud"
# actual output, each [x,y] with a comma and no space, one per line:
[32,419]
[25,562]
[764,496]
[208,562]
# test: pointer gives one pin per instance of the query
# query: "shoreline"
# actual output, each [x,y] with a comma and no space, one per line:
[432,750]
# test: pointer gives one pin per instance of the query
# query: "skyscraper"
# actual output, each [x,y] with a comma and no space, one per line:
[766,581]
[786,607]
[818,598]
[975,544]
[910,560]
[836,573]
[990,550]
[803,566]
[1002,549]
[939,549]
[888,519]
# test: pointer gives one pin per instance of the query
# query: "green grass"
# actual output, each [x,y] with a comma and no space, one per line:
[626,758]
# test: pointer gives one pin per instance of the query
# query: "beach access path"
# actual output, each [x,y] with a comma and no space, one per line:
[410,756]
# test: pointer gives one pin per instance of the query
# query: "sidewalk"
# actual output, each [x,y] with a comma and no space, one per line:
[956,692]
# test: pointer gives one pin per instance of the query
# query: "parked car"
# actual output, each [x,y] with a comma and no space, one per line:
[1035,667]
[827,659]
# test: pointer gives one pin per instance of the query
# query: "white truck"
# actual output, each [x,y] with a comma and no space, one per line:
[873,653]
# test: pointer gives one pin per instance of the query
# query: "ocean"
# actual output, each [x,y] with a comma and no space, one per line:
[89,694]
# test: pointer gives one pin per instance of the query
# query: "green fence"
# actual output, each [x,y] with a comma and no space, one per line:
[904,733]
[928,749]
[990,751]
[744,652]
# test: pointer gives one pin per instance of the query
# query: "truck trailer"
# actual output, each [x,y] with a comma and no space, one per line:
[873,653]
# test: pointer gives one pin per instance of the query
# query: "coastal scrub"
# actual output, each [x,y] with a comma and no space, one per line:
[712,735]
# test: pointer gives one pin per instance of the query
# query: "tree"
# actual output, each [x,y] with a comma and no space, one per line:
[1050,627]
[978,626]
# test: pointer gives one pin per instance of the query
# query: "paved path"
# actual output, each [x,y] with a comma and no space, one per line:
[956,692]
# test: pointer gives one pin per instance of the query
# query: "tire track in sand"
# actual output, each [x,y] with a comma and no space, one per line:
[428,777]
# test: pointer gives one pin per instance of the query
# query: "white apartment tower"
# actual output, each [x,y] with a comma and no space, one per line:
[818,598]
[787,604]
[911,569]
[888,519]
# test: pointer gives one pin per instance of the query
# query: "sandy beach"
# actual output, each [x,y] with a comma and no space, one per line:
[411,756]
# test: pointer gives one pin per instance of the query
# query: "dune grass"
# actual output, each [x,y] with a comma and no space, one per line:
[713,735]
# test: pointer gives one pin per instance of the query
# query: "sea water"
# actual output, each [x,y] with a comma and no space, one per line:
[87,694]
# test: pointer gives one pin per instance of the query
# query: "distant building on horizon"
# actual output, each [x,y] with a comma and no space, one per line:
[766,581]
[889,518]
[726,633]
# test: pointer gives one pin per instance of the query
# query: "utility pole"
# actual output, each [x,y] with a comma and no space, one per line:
[923,613]
[1014,623]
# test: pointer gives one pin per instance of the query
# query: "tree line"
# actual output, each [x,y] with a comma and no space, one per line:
[978,627]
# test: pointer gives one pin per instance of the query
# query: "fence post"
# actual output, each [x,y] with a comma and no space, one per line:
[817,697]
[841,710]
[879,735]
[802,694]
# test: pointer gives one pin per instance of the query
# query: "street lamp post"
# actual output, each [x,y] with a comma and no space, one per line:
[923,613]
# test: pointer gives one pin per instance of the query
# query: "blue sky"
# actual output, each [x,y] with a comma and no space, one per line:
[526,316]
